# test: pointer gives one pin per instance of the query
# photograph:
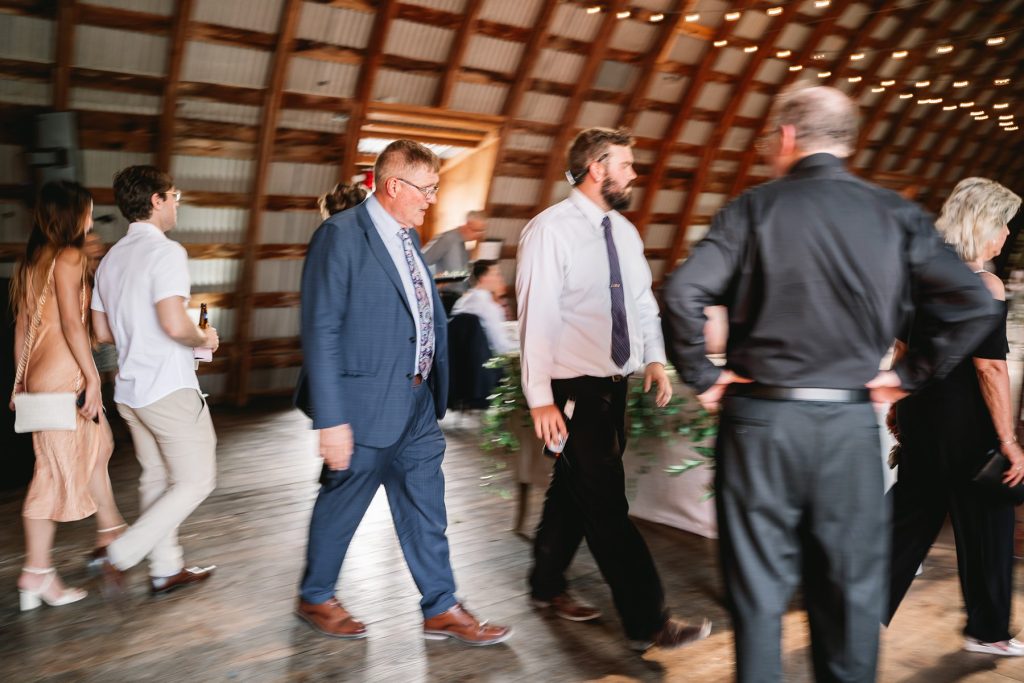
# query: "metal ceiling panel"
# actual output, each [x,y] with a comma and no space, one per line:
[254,15]
[210,63]
[121,51]
[27,38]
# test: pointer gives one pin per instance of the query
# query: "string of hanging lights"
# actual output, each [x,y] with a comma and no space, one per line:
[933,49]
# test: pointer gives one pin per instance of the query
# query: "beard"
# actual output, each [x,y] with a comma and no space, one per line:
[615,197]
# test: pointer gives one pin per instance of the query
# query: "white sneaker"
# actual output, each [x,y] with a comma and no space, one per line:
[1004,648]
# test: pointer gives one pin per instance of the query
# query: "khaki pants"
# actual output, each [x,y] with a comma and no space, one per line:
[176,446]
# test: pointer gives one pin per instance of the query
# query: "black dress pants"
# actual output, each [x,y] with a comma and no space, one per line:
[799,496]
[587,499]
[928,488]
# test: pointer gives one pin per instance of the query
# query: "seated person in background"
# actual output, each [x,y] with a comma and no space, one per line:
[483,302]
[342,197]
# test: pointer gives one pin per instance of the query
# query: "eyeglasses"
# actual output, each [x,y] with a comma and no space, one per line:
[428,192]
[175,193]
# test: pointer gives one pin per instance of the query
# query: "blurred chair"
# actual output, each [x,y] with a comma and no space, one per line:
[471,383]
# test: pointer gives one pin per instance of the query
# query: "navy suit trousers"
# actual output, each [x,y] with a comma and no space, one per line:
[410,471]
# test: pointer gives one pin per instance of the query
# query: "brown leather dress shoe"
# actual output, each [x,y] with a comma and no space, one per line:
[186,577]
[330,619]
[459,624]
[568,606]
[112,579]
[673,634]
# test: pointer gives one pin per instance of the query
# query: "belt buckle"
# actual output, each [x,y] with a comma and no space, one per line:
[617,378]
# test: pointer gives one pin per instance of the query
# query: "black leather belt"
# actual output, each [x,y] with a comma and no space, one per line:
[798,393]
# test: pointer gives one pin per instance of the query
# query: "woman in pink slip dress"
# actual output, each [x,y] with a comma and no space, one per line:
[70,481]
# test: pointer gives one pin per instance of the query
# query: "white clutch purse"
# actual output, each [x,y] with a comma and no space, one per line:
[45,412]
[42,412]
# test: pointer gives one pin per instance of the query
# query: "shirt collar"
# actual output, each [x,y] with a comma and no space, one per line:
[385,223]
[591,211]
[145,228]
[822,161]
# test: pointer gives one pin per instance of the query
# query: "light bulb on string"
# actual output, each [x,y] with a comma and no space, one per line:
[773,11]
[886,84]
[593,9]
[961,84]
[944,49]
[733,16]
[899,54]
[692,17]
[655,18]
[995,40]
[1001,81]
[824,74]
[782,54]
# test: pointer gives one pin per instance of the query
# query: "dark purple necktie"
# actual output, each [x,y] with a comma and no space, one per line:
[620,331]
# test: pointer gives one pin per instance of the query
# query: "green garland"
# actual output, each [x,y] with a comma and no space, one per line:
[648,424]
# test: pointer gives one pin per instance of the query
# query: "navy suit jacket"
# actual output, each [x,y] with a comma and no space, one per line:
[359,334]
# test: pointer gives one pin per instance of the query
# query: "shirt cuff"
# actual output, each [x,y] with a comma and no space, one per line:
[655,354]
[539,394]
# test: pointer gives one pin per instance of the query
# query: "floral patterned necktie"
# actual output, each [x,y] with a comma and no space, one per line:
[423,311]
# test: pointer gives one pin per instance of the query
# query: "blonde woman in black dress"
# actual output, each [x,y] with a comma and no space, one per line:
[946,432]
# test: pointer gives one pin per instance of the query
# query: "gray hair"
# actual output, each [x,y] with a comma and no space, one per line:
[974,213]
[824,118]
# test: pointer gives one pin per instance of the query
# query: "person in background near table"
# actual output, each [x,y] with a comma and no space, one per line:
[142,288]
[483,301]
[815,269]
[342,197]
[375,381]
[70,481]
[447,253]
[948,430]
[587,321]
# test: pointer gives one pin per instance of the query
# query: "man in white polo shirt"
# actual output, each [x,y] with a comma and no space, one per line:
[142,288]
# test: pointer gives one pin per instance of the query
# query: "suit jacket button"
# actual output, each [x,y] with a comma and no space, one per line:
[408,375]
[412,340]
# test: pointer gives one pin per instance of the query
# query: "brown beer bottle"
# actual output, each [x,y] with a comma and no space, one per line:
[203,319]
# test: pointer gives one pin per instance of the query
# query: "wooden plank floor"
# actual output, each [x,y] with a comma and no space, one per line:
[240,627]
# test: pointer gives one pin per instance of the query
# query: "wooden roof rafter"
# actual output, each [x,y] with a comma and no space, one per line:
[657,56]
[584,80]
[241,360]
[978,86]
[386,11]
[457,51]
[725,122]
[67,11]
[169,103]
[906,68]
[978,20]
[514,97]
[821,30]
[675,127]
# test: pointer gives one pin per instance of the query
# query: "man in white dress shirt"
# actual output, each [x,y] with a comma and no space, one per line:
[138,304]
[482,301]
[587,321]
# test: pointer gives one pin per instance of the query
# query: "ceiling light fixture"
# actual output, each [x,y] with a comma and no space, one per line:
[720,43]
[961,84]
[1010,128]
[878,90]
[966,105]
[1002,81]
[782,54]
[950,107]
[824,74]
[905,96]
[922,84]
[887,83]
[692,18]
[624,14]
[1003,117]
[796,67]
[593,9]
[900,54]
[655,18]
[944,49]
[1001,105]
[855,79]
[995,40]
[981,118]
[856,56]
[822,3]
[773,11]
[732,16]
[750,48]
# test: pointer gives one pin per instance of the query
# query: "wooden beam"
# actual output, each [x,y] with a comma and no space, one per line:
[123,19]
[386,11]
[584,80]
[822,29]
[175,57]
[906,68]
[656,57]
[67,12]
[457,51]
[981,82]
[725,122]
[527,61]
[951,18]
[682,115]
[241,362]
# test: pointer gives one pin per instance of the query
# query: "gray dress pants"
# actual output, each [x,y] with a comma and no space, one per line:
[799,496]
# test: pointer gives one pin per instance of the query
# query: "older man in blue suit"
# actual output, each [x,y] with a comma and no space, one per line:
[375,382]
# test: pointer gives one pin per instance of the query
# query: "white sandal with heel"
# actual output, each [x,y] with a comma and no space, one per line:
[32,598]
